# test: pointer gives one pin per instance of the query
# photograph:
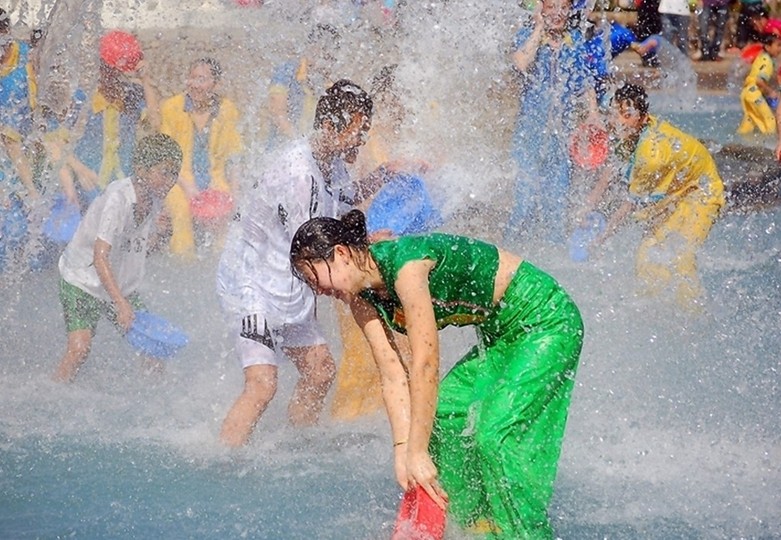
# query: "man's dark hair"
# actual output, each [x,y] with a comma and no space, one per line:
[343,99]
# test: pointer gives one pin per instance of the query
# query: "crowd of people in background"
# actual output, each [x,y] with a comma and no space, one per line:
[122,166]
[703,29]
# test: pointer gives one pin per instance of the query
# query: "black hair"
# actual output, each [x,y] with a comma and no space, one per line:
[753,11]
[635,95]
[316,239]
[340,102]
[214,66]
[767,38]
[324,35]
[5,21]
[154,149]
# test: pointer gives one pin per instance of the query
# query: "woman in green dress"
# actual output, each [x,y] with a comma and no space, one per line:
[485,441]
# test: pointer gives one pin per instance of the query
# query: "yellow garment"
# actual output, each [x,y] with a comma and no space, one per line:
[11,61]
[224,144]
[357,390]
[757,114]
[110,168]
[675,175]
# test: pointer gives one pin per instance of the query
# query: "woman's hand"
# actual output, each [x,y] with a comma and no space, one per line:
[422,472]
[400,465]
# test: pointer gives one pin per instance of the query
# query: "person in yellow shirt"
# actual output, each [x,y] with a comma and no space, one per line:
[760,89]
[124,107]
[206,126]
[674,189]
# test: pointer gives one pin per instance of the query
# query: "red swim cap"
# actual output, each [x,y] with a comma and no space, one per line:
[121,50]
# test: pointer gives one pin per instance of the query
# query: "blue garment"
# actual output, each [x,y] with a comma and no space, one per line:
[15,109]
[89,148]
[552,88]
[285,76]
[201,162]
[621,38]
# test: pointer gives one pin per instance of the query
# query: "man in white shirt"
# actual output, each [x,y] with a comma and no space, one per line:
[103,265]
[270,310]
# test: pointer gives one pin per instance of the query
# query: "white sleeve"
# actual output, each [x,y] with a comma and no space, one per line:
[112,219]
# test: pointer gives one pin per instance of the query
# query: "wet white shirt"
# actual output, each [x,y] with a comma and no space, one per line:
[110,218]
[254,274]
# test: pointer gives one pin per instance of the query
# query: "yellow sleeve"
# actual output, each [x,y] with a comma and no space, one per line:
[229,137]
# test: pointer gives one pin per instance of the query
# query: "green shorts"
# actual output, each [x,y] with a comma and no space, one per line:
[82,310]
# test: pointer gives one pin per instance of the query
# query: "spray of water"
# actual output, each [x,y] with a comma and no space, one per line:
[674,427]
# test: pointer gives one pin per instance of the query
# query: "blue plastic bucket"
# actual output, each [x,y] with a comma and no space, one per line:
[154,336]
[63,221]
[403,206]
[582,237]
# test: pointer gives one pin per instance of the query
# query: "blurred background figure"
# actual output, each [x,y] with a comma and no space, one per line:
[745,32]
[18,189]
[124,105]
[557,88]
[648,20]
[296,84]
[206,126]
[17,99]
[760,93]
[711,24]
[674,15]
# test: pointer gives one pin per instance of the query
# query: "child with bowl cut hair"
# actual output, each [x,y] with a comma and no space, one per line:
[103,265]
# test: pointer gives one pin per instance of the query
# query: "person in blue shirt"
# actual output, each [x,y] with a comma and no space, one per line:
[622,39]
[557,90]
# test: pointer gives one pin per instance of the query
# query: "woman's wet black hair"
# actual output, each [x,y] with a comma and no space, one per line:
[635,95]
[316,239]
[340,102]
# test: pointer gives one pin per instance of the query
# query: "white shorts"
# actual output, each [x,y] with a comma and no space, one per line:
[257,344]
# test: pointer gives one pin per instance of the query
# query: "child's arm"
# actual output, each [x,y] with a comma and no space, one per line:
[778,140]
[767,89]
[125,314]
[596,195]
[615,221]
